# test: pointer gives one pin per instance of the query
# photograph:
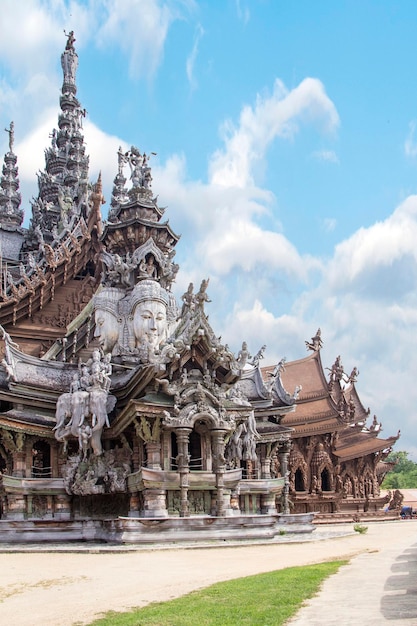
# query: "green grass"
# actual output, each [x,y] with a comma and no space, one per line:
[360,528]
[263,600]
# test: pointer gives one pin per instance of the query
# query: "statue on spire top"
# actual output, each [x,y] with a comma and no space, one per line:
[10,130]
[70,40]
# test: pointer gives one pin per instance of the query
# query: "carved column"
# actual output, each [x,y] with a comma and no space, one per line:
[266,460]
[183,435]
[19,463]
[283,454]
[223,503]
[153,453]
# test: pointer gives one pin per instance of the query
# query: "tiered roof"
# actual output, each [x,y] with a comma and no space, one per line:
[330,406]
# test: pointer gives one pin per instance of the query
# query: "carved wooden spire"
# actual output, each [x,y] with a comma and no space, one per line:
[10,199]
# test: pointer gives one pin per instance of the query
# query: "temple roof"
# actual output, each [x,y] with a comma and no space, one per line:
[362,446]
[315,410]
[332,406]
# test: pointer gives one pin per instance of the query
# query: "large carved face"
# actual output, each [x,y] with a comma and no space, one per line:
[107,329]
[150,323]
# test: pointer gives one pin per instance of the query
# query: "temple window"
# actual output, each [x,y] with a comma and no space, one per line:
[325,480]
[299,481]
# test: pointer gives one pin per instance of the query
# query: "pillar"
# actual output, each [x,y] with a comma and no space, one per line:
[19,464]
[284,453]
[266,467]
[223,503]
[153,453]
[183,435]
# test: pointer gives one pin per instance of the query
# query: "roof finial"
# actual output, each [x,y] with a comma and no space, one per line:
[316,342]
[11,136]
[70,40]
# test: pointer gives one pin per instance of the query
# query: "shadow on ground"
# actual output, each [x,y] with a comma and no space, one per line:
[400,592]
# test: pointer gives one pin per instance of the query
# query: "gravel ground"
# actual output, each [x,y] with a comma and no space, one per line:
[72,585]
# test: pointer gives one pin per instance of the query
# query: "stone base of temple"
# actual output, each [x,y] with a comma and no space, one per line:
[356,517]
[296,523]
[127,530]
[48,531]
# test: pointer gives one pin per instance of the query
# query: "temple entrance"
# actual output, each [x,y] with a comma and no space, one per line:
[299,481]
[41,460]
[325,480]
[196,462]
[100,506]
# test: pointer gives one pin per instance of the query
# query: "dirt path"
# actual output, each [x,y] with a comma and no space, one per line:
[63,589]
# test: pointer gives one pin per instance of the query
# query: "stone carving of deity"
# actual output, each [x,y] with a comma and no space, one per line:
[149,312]
[107,328]
[69,62]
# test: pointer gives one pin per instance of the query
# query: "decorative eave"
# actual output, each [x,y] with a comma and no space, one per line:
[252,384]
[121,211]
[319,427]
[32,378]
[367,446]
[28,423]
[130,233]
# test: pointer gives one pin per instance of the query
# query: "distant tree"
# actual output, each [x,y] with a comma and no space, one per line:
[404,473]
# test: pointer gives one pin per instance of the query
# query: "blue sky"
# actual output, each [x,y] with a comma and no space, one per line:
[286,144]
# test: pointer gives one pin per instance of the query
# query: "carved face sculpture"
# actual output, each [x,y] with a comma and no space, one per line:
[150,323]
[107,329]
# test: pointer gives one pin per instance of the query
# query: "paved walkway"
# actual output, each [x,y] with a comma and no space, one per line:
[376,587]
[65,587]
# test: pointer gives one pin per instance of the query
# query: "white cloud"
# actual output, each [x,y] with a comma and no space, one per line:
[223,214]
[140,29]
[258,326]
[193,56]
[276,116]
[383,246]
[244,244]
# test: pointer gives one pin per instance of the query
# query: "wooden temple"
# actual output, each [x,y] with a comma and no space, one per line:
[122,415]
